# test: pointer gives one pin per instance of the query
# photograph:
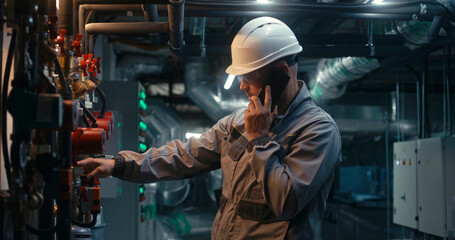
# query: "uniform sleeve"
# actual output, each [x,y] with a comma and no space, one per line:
[289,182]
[175,160]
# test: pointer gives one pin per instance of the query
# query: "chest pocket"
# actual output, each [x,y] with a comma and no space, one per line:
[252,205]
[236,144]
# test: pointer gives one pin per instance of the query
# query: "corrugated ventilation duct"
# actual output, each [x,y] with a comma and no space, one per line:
[333,74]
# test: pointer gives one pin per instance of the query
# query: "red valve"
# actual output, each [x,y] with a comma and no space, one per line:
[61,40]
[107,115]
[98,68]
[89,59]
[83,64]
[92,67]
[88,141]
[97,182]
[77,45]
[105,124]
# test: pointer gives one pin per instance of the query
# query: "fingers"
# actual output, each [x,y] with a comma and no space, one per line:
[88,164]
[255,104]
[268,98]
[96,173]
[275,112]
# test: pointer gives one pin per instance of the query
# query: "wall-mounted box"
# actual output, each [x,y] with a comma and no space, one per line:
[405,209]
[436,185]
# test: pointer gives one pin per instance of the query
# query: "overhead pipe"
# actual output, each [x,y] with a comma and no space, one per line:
[65,14]
[79,2]
[310,51]
[449,94]
[175,15]
[424,102]
[435,27]
[174,26]
[151,15]
[150,12]
[449,28]
[127,27]
[101,7]
[211,8]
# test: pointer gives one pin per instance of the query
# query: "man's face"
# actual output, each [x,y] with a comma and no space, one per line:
[251,83]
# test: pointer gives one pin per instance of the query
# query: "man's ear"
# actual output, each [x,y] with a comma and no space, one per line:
[283,66]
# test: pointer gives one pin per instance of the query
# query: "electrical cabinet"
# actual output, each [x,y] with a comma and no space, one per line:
[424,193]
[405,184]
[436,194]
[125,213]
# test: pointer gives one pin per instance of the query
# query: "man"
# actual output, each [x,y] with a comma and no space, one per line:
[278,165]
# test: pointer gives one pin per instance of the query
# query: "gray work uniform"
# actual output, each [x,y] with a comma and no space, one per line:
[274,187]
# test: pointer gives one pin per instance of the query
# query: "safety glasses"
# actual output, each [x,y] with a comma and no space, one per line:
[249,77]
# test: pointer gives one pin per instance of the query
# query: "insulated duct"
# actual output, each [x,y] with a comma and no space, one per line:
[333,75]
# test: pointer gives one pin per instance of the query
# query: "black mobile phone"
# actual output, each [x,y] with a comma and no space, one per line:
[277,80]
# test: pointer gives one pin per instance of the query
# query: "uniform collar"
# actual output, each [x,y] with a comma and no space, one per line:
[302,96]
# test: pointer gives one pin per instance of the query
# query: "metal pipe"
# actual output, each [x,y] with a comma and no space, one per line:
[432,8]
[449,28]
[75,18]
[398,11]
[436,24]
[127,27]
[122,1]
[444,90]
[397,108]
[100,7]
[310,51]
[91,44]
[425,123]
[65,17]
[151,15]
[175,16]
[449,95]
[387,171]
[400,7]
[150,12]
[192,11]
[52,7]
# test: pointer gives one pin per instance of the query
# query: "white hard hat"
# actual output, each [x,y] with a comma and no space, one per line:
[260,42]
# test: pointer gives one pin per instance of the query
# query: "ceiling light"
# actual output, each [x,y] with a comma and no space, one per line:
[378,2]
[229,81]
[263,1]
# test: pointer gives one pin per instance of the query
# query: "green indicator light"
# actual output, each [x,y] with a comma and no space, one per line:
[142,104]
[119,190]
[119,124]
[142,146]
[142,125]
[142,95]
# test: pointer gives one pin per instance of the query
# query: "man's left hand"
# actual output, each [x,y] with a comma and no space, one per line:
[258,118]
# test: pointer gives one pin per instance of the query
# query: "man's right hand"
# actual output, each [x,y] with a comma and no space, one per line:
[97,167]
